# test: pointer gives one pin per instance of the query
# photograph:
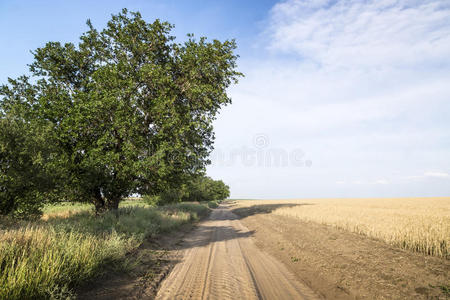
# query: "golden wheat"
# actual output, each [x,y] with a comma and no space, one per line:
[417,224]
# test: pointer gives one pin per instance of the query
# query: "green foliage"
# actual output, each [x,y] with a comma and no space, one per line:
[26,181]
[67,207]
[200,188]
[206,189]
[198,210]
[213,204]
[171,196]
[127,110]
[45,260]
[151,200]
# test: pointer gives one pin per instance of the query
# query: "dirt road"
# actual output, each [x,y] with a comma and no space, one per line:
[220,261]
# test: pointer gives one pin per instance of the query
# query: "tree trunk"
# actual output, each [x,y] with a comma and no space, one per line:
[103,204]
[112,204]
[99,202]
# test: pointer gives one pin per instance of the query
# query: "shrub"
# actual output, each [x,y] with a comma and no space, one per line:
[213,204]
[203,189]
[171,196]
[25,184]
[151,200]
[197,210]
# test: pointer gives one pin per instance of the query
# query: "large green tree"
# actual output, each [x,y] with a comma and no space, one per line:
[127,110]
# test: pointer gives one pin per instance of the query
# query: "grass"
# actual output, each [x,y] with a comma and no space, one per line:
[444,288]
[48,258]
[198,209]
[67,209]
[417,224]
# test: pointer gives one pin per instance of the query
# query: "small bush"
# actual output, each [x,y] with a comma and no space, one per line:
[171,196]
[213,204]
[197,210]
[152,200]
[167,197]
[25,184]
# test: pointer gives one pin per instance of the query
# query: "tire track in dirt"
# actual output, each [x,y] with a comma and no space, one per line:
[220,261]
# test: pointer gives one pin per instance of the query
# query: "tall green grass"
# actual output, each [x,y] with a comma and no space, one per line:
[47,259]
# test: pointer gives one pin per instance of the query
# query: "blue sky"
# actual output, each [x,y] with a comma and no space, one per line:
[27,25]
[340,99]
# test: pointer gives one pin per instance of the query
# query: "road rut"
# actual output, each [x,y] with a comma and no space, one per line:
[220,261]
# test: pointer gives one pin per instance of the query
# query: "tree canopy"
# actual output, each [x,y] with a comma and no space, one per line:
[205,189]
[127,110]
[197,188]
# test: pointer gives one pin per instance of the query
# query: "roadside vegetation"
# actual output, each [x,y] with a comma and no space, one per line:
[199,188]
[417,224]
[70,245]
[213,204]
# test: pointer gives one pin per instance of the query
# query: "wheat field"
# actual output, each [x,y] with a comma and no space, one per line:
[416,224]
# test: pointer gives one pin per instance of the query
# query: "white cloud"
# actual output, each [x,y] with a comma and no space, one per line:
[436,174]
[428,174]
[377,33]
[381,181]
[413,177]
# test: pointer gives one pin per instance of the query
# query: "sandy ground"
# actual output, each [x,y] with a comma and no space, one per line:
[220,261]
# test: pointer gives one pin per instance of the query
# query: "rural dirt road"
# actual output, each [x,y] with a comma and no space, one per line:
[220,261]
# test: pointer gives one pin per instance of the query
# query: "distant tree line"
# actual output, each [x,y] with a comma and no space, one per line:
[127,110]
[200,188]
